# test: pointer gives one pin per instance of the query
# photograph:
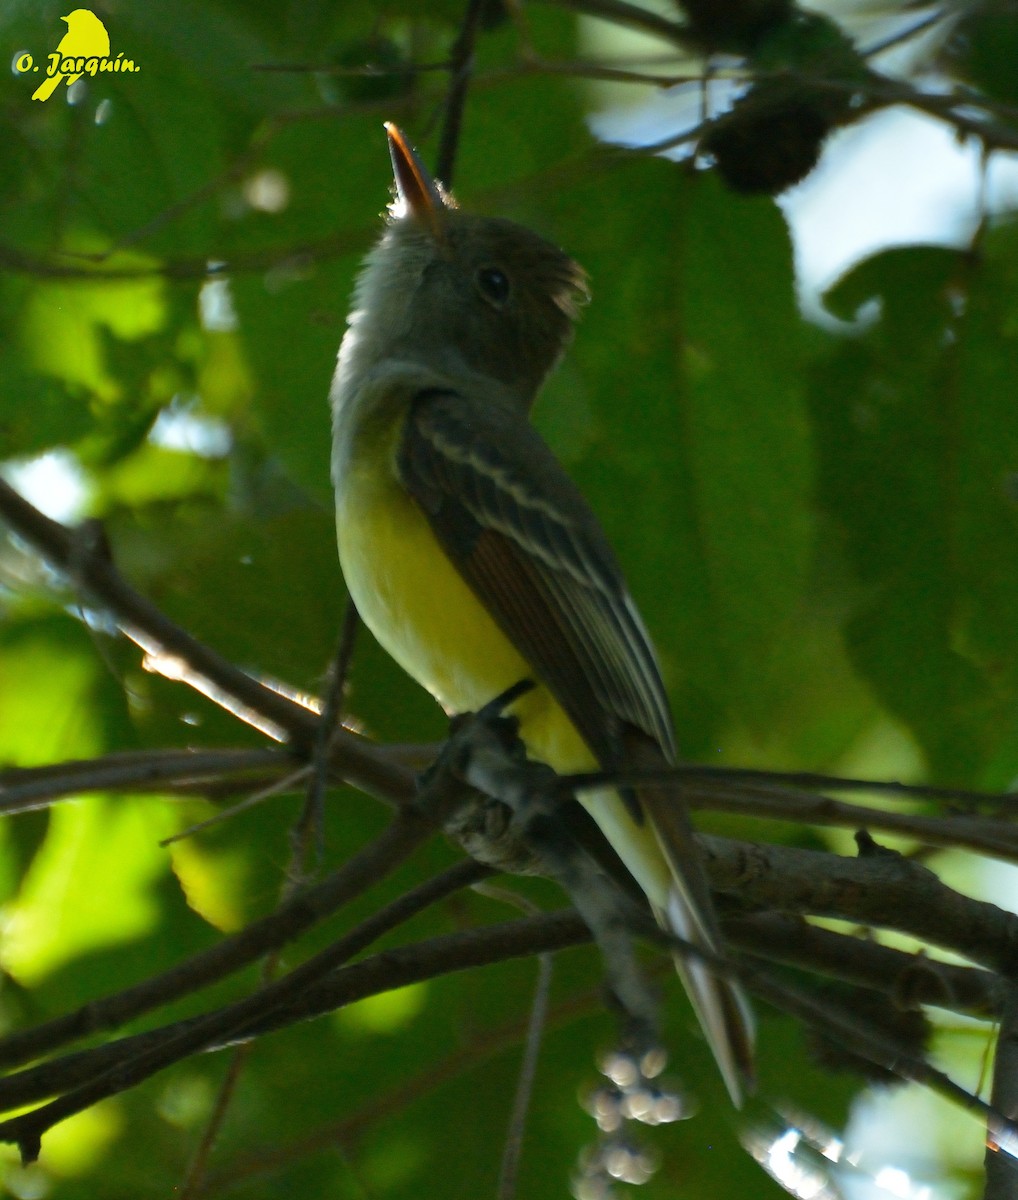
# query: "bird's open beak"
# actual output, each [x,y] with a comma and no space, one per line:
[419,194]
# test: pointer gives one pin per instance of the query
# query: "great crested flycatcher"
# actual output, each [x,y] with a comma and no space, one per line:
[474,560]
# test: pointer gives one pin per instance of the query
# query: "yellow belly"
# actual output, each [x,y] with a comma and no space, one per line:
[421,611]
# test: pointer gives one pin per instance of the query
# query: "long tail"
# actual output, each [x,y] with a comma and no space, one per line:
[720,1005]
[688,912]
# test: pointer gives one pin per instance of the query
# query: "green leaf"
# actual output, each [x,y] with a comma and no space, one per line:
[917,450]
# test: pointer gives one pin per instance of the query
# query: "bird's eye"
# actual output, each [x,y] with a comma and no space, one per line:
[494,285]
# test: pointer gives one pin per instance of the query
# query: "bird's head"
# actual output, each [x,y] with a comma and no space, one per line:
[461,291]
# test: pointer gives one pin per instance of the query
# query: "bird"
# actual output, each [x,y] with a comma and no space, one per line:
[475,561]
[86,37]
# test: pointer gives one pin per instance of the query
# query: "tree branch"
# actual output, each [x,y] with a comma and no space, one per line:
[880,888]
[907,979]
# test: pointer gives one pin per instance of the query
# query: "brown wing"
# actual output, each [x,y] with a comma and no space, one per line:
[524,539]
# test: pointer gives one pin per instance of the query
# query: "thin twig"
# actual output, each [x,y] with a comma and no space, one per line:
[23,789]
[339,672]
[461,69]
[286,783]
[510,1166]
[754,793]
[536,1025]
[197,1168]
[841,783]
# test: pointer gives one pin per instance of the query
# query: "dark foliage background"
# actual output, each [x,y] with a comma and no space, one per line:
[820,526]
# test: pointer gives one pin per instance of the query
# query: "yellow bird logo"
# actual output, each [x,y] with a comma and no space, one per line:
[86,37]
